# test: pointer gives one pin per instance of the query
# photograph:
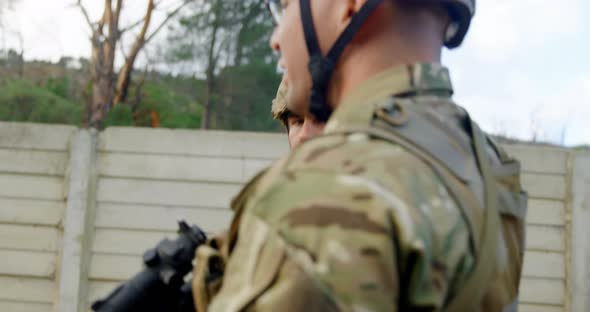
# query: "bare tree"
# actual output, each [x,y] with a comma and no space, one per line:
[110,88]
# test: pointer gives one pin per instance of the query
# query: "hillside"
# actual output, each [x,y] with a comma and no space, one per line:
[47,92]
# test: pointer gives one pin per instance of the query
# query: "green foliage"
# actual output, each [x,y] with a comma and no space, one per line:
[120,115]
[229,40]
[59,86]
[226,42]
[245,97]
[175,109]
[23,101]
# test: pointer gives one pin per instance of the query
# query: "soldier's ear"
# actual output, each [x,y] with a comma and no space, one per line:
[346,9]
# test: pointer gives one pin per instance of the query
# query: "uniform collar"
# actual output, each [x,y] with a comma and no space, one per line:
[406,80]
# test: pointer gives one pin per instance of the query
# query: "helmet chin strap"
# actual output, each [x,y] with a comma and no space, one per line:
[321,67]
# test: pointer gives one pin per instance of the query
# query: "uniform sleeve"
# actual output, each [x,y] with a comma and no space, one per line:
[324,242]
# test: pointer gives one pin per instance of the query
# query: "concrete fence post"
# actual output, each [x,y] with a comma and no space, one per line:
[77,223]
[580,290]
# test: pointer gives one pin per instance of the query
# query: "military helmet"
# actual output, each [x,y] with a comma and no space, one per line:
[322,66]
[460,12]
[279,108]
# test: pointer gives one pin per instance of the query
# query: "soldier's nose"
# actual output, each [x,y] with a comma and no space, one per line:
[274,42]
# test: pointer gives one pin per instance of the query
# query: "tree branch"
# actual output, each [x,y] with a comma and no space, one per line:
[140,21]
[146,23]
[122,48]
[124,76]
[85,13]
[111,19]
[157,4]
[168,17]
[108,9]
[131,26]
[101,22]
[118,8]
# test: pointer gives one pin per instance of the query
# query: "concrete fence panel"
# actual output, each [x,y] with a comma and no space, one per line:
[78,208]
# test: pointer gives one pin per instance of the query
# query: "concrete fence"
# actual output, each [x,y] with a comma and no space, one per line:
[78,208]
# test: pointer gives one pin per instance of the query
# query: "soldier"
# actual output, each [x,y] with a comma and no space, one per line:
[299,129]
[402,204]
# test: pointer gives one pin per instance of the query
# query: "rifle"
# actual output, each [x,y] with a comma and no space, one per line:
[160,286]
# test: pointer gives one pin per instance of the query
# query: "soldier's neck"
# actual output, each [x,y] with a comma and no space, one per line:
[363,60]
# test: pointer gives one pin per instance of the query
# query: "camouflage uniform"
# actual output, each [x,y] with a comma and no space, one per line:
[384,212]
[279,109]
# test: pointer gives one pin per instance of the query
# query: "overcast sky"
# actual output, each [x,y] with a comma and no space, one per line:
[523,69]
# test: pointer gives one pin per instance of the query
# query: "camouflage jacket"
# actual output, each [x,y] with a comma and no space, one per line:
[351,221]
